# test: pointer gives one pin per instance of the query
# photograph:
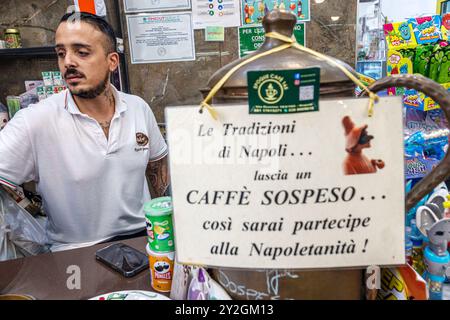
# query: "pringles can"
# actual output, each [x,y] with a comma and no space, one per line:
[13,39]
[13,103]
[158,217]
[161,269]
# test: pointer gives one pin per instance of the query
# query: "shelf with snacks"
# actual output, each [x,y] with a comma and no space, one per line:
[119,78]
[31,52]
[421,46]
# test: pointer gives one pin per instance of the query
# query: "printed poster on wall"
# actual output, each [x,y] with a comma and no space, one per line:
[216,13]
[158,38]
[252,38]
[253,11]
[131,6]
[321,189]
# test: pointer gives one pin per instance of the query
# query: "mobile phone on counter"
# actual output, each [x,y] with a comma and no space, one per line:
[123,259]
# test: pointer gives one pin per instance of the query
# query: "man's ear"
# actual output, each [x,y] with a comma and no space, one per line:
[113,59]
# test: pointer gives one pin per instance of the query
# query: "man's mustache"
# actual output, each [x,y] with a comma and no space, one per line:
[73,72]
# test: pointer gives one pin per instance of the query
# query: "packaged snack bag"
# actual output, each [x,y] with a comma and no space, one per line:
[4,117]
[13,104]
[397,64]
[392,91]
[426,103]
[445,28]
[422,59]
[47,77]
[414,120]
[427,29]
[411,98]
[399,35]
[435,62]
[444,68]
[402,283]
[57,78]
[408,54]
[49,91]
[41,93]
[436,119]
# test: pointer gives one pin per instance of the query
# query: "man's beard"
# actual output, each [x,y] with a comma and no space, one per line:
[92,93]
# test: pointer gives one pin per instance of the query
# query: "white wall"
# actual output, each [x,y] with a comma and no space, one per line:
[400,10]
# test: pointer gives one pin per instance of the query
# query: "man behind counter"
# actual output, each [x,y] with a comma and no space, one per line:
[88,147]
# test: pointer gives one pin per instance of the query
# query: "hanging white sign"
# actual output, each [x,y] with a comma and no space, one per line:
[309,190]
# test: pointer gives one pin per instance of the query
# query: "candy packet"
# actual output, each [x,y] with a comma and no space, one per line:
[422,60]
[399,35]
[194,283]
[418,167]
[4,117]
[430,146]
[408,54]
[426,103]
[426,29]
[398,64]
[445,28]
[435,62]
[414,120]
[444,68]
[411,98]
[436,119]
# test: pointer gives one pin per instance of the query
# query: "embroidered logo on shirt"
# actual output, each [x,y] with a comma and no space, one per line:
[142,141]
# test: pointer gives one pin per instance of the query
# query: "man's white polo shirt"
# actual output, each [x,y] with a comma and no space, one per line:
[93,188]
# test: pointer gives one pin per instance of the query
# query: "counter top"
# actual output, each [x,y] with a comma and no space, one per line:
[47,276]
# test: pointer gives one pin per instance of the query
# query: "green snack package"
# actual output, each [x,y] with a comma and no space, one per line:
[158,216]
[409,54]
[435,62]
[400,91]
[422,60]
[444,67]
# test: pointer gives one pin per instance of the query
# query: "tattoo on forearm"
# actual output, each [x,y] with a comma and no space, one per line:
[158,175]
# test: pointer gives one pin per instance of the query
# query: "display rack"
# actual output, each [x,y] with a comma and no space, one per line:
[28,52]
[49,52]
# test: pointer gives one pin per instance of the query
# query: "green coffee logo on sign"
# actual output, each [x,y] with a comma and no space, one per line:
[251,38]
[270,90]
[283,91]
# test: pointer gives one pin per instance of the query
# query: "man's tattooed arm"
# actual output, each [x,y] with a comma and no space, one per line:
[158,175]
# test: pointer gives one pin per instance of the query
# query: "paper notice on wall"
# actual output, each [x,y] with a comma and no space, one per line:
[214,33]
[321,189]
[253,11]
[216,13]
[161,37]
[155,5]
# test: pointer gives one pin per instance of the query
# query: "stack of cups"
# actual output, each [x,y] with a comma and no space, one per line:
[160,247]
